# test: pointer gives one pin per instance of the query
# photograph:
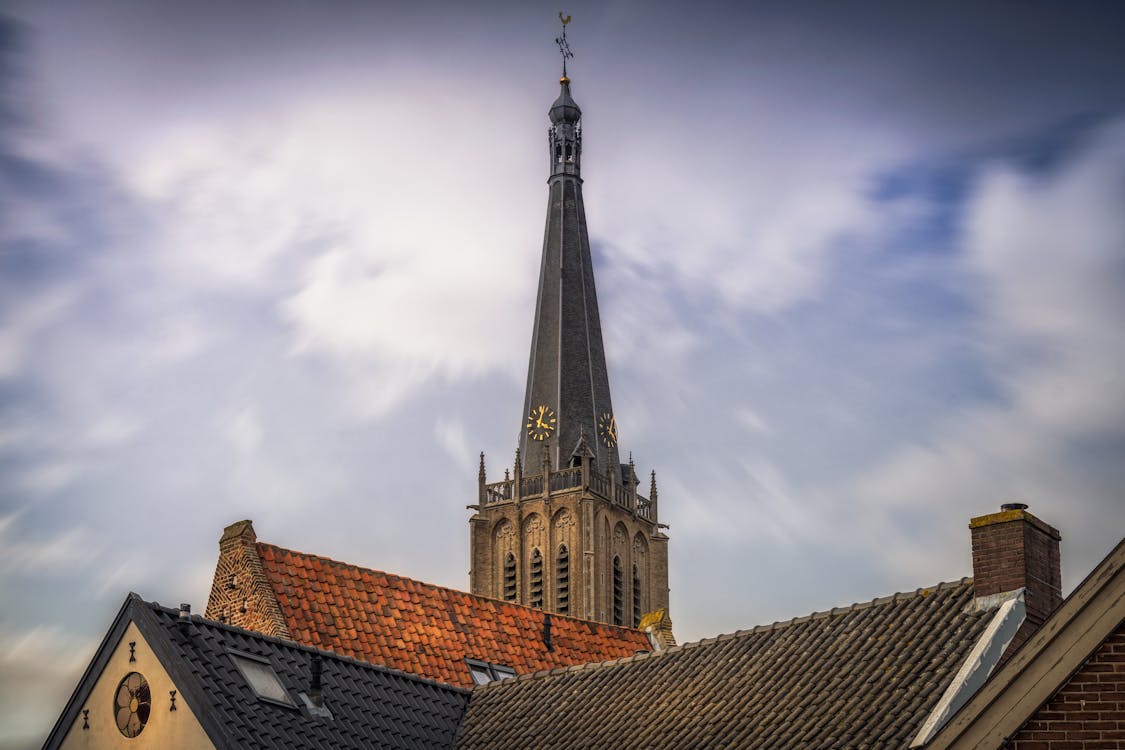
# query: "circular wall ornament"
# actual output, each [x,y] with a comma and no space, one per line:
[132,704]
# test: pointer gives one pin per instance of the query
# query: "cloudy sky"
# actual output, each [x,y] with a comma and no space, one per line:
[861,267]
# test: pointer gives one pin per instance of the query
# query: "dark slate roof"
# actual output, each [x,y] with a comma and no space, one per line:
[567,368]
[564,108]
[864,676]
[371,706]
[426,629]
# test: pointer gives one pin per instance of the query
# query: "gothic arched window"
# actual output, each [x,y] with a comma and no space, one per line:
[636,597]
[535,598]
[510,578]
[562,580]
[618,593]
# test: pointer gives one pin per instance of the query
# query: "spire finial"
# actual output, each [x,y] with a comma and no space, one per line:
[564,48]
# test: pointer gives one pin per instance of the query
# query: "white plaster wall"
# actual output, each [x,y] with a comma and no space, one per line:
[165,728]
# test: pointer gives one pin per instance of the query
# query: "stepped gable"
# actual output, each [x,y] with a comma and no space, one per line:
[861,676]
[424,629]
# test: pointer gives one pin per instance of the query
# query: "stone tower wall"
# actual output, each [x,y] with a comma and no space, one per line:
[594,532]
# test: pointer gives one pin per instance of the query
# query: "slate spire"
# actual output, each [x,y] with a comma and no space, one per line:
[567,382]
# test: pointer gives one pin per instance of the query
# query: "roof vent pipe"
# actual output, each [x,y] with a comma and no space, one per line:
[316,696]
[547,631]
[185,616]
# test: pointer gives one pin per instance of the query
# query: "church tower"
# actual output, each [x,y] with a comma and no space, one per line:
[567,530]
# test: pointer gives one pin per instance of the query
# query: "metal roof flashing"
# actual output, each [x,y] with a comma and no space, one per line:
[978,665]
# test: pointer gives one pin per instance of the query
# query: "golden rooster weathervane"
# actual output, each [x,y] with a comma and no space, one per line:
[564,48]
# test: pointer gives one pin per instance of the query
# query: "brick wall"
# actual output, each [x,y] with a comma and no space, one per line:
[1088,712]
[240,593]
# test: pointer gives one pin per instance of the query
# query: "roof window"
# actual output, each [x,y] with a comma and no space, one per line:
[261,677]
[484,673]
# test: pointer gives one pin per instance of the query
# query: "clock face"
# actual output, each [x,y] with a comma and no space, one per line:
[607,429]
[540,422]
[132,703]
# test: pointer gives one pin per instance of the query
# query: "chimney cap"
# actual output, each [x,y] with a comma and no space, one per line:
[1013,506]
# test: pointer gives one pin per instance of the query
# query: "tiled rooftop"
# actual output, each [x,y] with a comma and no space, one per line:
[370,706]
[425,629]
[864,676]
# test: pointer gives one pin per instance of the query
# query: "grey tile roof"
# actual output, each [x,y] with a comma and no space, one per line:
[371,706]
[864,676]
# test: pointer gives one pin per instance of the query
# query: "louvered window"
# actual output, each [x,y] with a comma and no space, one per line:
[510,578]
[618,593]
[562,580]
[636,597]
[536,580]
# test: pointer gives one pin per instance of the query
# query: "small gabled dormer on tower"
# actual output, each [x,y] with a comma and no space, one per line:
[566,530]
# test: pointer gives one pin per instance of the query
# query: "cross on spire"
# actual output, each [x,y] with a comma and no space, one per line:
[564,48]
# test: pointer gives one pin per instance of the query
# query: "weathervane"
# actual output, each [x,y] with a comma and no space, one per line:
[564,48]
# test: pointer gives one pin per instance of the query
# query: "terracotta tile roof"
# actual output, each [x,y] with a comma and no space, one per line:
[864,676]
[425,629]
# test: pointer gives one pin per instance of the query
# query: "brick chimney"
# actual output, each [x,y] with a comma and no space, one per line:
[1013,549]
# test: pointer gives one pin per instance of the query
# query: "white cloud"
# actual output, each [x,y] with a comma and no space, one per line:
[451,437]
[760,218]
[40,665]
[1051,249]
[256,479]
[50,475]
[258,475]
[111,428]
[43,647]
[58,553]
[385,245]
[29,319]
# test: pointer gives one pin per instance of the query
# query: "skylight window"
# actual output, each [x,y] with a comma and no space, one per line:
[484,673]
[261,678]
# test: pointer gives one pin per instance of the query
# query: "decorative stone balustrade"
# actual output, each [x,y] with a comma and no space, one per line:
[567,480]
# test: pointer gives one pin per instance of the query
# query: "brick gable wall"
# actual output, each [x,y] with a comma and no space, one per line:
[1088,712]
[240,593]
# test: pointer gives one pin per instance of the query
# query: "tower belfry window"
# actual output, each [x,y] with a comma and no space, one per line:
[562,580]
[636,597]
[510,578]
[535,593]
[618,593]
